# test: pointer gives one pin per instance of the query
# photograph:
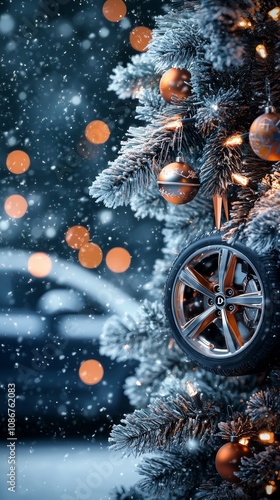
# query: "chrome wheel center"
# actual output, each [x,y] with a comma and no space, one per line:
[220,301]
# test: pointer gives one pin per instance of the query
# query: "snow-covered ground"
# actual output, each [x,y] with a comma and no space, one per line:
[74,470]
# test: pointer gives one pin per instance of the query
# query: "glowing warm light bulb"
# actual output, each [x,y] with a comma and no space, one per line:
[91,372]
[97,132]
[244,441]
[270,488]
[15,206]
[233,140]
[190,389]
[174,125]
[275,13]
[140,37]
[243,23]
[266,437]
[261,50]
[240,179]
[39,265]
[18,162]
[118,260]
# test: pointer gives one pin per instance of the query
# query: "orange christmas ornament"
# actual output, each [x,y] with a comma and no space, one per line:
[175,82]
[264,135]
[228,459]
[178,182]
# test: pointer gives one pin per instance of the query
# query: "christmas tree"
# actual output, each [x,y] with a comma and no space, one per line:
[205,165]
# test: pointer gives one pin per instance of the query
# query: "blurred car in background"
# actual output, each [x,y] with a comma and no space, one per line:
[48,327]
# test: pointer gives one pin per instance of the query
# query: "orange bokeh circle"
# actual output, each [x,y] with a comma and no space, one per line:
[91,372]
[118,260]
[140,37]
[18,162]
[15,206]
[114,10]
[77,236]
[39,265]
[90,255]
[97,132]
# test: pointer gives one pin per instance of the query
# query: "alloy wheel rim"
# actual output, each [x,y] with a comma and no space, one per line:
[218,301]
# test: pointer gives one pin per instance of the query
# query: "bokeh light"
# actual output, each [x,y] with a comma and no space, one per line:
[39,265]
[114,10]
[15,206]
[118,260]
[97,132]
[77,236]
[140,37]
[91,372]
[90,255]
[18,162]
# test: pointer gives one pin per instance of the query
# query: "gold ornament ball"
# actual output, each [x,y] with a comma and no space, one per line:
[178,183]
[228,460]
[264,136]
[175,82]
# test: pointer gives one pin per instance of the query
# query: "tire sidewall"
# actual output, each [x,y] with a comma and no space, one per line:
[251,356]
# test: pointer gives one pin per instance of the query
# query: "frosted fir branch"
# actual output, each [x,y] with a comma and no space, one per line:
[257,471]
[149,204]
[136,167]
[129,338]
[160,273]
[176,473]
[264,407]
[227,41]
[127,81]
[212,490]
[219,164]
[163,425]
[182,222]
[132,493]
[219,110]
[239,427]
[263,229]
[142,388]
[150,105]
[169,46]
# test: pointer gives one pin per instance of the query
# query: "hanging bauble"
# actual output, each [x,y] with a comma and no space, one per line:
[178,182]
[175,81]
[264,135]
[228,459]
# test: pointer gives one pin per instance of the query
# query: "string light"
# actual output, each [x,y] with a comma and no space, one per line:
[243,23]
[266,437]
[243,181]
[275,13]
[174,125]
[244,441]
[270,488]
[192,392]
[233,140]
[261,50]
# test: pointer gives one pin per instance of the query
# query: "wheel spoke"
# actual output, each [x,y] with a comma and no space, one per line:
[222,267]
[196,325]
[229,277]
[234,328]
[228,333]
[195,280]
[251,299]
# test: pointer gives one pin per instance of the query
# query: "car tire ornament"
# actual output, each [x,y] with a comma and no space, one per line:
[223,308]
